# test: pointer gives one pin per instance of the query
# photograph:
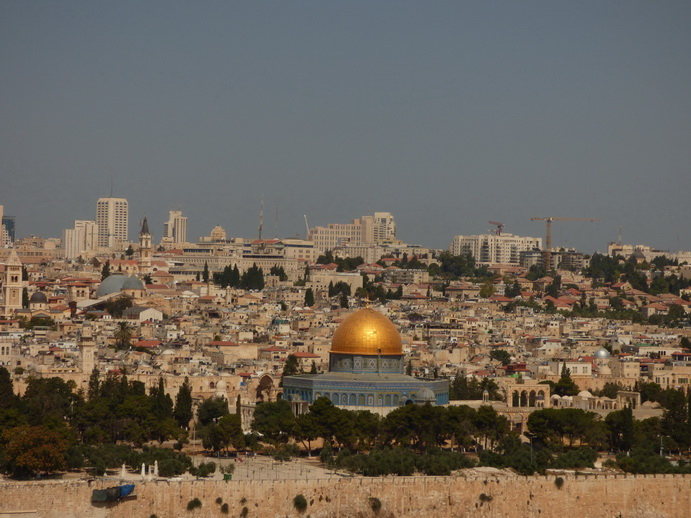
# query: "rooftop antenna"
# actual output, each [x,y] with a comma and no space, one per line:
[619,237]
[276,224]
[111,185]
[261,218]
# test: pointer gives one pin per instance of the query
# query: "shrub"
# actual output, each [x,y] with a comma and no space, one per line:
[224,509]
[243,500]
[375,504]
[300,503]
[485,498]
[244,512]
[559,481]
[193,504]
[219,500]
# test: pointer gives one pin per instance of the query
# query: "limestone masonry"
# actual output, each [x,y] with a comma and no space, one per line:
[479,494]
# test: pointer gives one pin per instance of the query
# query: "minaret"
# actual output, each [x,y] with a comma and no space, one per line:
[87,349]
[145,250]
[12,285]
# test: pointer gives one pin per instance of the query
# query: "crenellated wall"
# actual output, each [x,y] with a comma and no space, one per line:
[626,496]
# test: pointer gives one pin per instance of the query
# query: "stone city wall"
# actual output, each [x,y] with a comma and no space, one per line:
[626,496]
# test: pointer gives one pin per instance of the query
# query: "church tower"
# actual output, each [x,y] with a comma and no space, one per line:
[145,251]
[87,349]
[12,285]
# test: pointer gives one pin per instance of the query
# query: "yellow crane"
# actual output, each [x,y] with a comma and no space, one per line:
[548,241]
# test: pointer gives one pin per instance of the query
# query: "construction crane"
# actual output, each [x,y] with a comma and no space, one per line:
[548,241]
[499,225]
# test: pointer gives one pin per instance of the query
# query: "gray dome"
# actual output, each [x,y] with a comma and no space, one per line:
[38,298]
[132,283]
[602,354]
[425,394]
[111,284]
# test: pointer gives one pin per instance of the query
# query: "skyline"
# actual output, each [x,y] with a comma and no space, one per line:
[446,115]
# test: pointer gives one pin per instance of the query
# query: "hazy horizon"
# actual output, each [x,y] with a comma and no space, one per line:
[446,114]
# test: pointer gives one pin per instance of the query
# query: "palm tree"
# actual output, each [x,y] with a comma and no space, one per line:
[123,335]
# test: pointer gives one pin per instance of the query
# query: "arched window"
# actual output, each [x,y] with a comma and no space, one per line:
[370,400]
[515,399]
[524,398]
[531,398]
[380,400]
[352,398]
[361,400]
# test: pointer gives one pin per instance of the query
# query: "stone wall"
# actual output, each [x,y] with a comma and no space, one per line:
[626,496]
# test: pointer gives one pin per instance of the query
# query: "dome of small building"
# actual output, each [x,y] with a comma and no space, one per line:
[584,393]
[604,370]
[367,332]
[111,284]
[38,297]
[425,395]
[601,354]
[132,283]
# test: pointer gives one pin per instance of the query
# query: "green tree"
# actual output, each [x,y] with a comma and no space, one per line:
[183,412]
[279,272]
[231,430]
[274,421]
[8,399]
[565,386]
[205,272]
[309,297]
[105,271]
[211,409]
[343,302]
[487,289]
[130,251]
[291,366]
[500,355]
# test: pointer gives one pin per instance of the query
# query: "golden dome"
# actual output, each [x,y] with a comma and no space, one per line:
[367,332]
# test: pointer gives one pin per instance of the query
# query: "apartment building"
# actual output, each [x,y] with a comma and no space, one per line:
[379,228]
[80,240]
[492,248]
[175,229]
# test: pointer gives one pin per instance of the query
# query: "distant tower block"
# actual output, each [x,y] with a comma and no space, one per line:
[112,221]
[12,285]
[145,251]
[87,349]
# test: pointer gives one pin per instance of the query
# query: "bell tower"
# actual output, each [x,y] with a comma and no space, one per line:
[145,251]
[12,285]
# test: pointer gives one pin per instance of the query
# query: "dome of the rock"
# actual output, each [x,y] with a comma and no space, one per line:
[368,333]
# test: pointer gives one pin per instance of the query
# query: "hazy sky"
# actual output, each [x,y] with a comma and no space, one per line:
[447,114]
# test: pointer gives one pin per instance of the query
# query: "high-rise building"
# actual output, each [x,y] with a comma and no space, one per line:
[495,249]
[8,226]
[175,229]
[4,234]
[80,240]
[111,219]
